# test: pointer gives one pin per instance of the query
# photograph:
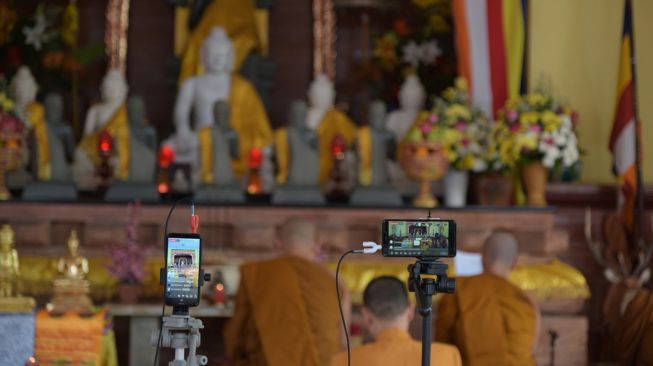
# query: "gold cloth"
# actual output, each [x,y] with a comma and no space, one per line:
[286,314]
[554,280]
[282,151]
[491,321]
[36,119]
[364,140]
[247,117]
[118,128]
[74,340]
[238,19]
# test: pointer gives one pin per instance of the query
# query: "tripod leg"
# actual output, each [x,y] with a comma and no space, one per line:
[426,339]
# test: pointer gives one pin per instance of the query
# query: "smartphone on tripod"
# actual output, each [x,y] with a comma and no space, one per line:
[183,255]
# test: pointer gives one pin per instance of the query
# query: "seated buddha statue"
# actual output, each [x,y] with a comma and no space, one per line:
[192,143]
[327,123]
[71,288]
[411,106]
[109,115]
[32,113]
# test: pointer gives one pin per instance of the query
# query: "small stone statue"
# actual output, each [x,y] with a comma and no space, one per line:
[301,183]
[71,288]
[223,150]
[9,266]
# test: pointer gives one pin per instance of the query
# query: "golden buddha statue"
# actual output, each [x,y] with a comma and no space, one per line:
[74,267]
[9,267]
[71,288]
[10,300]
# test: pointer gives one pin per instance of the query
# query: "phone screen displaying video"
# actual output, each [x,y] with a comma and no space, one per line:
[419,238]
[182,270]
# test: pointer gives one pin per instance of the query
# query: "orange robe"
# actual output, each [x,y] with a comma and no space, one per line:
[395,347]
[633,340]
[490,320]
[286,314]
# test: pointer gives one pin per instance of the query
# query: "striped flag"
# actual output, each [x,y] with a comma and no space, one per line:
[490,40]
[623,144]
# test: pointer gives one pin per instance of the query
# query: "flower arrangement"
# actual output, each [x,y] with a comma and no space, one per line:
[460,128]
[537,128]
[127,260]
[415,44]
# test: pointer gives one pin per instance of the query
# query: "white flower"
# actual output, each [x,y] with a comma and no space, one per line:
[550,158]
[411,53]
[570,155]
[35,36]
[479,166]
[429,52]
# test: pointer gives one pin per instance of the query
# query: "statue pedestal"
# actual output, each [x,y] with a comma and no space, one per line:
[50,192]
[70,296]
[130,191]
[376,197]
[18,330]
[17,305]
[218,193]
[298,195]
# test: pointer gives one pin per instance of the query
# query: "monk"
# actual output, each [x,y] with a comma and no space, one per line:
[491,321]
[387,314]
[633,334]
[286,308]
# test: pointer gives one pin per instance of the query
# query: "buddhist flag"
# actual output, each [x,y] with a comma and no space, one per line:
[623,138]
[490,40]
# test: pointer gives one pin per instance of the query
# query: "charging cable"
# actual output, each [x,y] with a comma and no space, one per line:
[194,225]
[369,247]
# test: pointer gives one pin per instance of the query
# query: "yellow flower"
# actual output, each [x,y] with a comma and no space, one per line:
[527,141]
[457,111]
[385,49]
[551,121]
[528,118]
[70,24]
[461,83]
[451,136]
[449,93]
[468,162]
[437,24]
[508,151]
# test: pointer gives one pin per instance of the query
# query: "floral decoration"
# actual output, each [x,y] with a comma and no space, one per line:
[127,260]
[538,128]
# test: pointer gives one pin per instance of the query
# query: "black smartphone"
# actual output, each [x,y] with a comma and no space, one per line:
[183,259]
[424,238]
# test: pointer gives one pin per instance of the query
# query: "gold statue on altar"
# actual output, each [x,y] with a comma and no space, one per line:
[71,288]
[9,267]
[10,300]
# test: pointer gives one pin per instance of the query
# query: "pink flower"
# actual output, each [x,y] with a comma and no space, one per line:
[512,115]
[425,128]
[434,118]
[515,128]
[535,128]
[574,117]
[460,125]
[465,142]
[549,141]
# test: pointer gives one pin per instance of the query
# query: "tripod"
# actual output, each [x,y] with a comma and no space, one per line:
[180,331]
[424,289]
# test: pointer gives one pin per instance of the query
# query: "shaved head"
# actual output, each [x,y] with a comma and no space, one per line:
[386,297]
[298,234]
[500,251]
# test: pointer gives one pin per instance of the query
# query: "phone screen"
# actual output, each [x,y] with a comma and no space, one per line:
[182,270]
[419,238]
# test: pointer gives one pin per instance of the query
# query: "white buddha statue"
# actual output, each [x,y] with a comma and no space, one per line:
[108,115]
[32,113]
[192,142]
[327,122]
[411,104]
[23,90]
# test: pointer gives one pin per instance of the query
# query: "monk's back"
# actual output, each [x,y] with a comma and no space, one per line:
[490,320]
[294,310]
